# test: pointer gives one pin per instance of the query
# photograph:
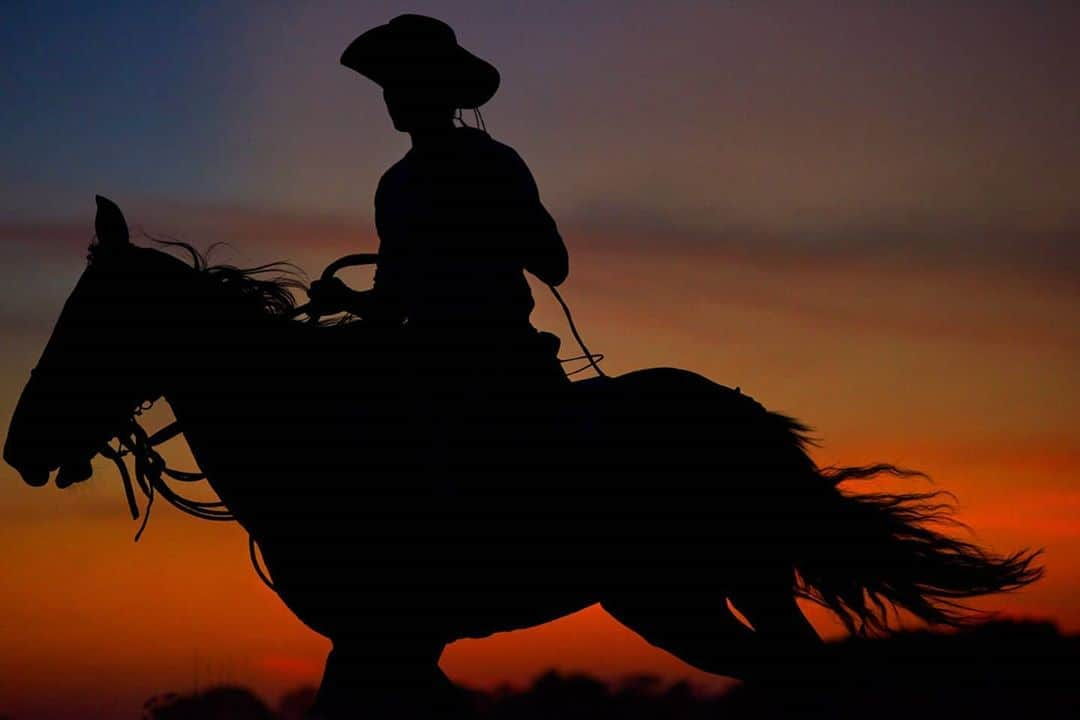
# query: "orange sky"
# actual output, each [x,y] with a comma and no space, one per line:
[864,362]
[864,217]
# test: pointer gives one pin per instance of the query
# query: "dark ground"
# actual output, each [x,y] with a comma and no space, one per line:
[998,670]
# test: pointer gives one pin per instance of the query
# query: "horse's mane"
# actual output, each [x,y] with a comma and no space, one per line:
[266,289]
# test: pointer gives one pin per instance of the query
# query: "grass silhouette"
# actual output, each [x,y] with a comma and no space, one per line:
[1001,669]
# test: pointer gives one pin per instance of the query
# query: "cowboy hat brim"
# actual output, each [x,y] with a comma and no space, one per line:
[411,51]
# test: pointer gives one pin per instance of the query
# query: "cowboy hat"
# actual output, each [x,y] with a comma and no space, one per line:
[417,51]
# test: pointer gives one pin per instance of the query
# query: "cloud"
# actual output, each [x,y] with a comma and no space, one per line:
[882,245]
[37,238]
[910,277]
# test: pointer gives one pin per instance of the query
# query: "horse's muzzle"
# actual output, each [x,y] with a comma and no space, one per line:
[37,474]
[31,473]
[25,449]
[24,456]
[35,469]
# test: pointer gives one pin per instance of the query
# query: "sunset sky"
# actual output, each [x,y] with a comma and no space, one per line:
[866,216]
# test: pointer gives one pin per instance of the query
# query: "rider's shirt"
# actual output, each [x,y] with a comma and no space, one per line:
[458,223]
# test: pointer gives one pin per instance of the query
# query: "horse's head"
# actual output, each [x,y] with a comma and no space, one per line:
[103,359]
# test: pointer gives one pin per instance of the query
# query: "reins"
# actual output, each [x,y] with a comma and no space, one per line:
[150,474]
[593,360]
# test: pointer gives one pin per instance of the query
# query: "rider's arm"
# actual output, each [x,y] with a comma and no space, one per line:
[543,251]
[331,296]
[380,304]
[384,303]
[373,307]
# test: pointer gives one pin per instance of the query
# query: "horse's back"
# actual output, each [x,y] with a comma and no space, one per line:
[535,520]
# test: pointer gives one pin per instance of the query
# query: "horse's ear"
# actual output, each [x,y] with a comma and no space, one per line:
[109,224]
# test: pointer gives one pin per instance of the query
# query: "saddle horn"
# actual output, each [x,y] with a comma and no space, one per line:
[109,223]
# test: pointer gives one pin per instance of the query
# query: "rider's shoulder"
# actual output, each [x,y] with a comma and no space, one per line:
[498,154]
[483,139]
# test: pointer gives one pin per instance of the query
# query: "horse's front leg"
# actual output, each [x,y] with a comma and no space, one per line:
[381,676]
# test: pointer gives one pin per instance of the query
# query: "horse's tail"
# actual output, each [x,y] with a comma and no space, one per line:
[878,552]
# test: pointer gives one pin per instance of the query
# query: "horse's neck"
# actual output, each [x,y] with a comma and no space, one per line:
[269,403]
[232,378]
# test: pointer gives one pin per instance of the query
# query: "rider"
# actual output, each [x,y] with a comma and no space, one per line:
[459,217]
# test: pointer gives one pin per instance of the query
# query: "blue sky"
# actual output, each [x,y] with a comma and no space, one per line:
[864,214]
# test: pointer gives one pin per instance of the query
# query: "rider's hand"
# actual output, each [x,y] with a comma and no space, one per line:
[331,295]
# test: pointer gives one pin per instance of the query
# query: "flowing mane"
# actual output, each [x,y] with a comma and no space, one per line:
[268,290]
[271,296]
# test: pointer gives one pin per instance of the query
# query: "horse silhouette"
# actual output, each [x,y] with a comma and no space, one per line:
[669,499]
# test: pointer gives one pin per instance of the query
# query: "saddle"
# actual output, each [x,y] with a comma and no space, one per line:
[523,355]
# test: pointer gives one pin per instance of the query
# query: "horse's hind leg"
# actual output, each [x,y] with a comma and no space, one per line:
[698,627]
[699,630]
[386,677]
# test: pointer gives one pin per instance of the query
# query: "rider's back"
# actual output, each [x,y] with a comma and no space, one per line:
[459,222]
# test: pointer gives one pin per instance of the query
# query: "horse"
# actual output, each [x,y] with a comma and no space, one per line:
[674,502]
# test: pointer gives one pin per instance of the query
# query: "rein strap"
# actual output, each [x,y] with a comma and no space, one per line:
[151,471]
[150,475]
